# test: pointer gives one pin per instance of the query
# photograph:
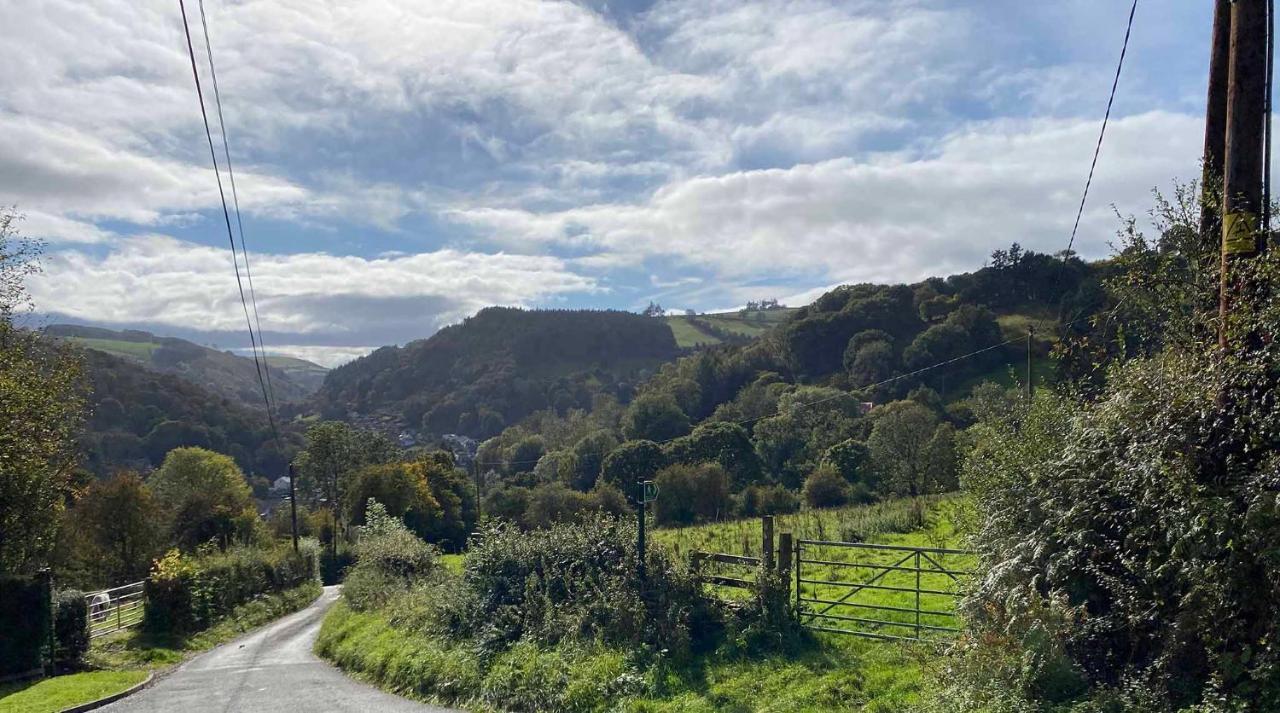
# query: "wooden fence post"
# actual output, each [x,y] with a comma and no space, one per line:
[766,545]
[784,557]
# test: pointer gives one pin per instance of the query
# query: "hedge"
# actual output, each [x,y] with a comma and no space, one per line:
[24,619]
[187,593]
[70,626]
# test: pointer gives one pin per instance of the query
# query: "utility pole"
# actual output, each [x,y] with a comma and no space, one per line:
[1243,146]
[1215,124]
[293,507]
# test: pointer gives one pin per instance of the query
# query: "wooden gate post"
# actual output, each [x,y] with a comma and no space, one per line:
[766,544]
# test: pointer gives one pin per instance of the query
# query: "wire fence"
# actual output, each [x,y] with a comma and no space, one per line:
[114,609]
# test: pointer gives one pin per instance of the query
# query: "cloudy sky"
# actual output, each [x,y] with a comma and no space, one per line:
[402,163]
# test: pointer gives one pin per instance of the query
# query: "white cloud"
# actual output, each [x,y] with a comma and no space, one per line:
[162,281]
[892,217]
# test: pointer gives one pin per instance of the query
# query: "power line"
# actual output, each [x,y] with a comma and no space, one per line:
[235,201]
[226,216]
[1101,134]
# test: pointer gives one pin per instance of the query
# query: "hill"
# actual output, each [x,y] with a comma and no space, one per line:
[137,415]
[496,368]
[772,409]
[232,376]
[704,330]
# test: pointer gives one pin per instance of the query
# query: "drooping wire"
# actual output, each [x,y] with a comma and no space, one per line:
[1101,134]
[235,202]
[226,216]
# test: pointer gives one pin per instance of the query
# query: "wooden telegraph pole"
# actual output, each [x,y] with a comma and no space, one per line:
[1215,124]
[1243,145]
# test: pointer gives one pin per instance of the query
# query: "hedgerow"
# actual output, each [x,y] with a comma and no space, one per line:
[186,593]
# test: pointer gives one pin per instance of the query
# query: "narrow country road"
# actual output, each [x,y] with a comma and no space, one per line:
[271,669]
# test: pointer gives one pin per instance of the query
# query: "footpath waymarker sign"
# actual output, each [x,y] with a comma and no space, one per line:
[649,491]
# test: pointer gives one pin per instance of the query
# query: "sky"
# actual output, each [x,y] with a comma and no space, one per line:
[401,164]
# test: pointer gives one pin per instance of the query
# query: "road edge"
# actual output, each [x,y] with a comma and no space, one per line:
[105,700]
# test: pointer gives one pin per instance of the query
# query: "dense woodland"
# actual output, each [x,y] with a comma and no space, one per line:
[137,415]
[841,403]
[497,367]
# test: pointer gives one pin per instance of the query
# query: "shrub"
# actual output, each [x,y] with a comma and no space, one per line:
[1154,517]
[188,593]
[24,619]
[826,488]
[579,583]
[688,494]
[70,626]
[389,558]
[757,500]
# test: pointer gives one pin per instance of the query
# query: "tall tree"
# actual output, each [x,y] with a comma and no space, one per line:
[41,411]
[205,497]
[903,451]
[122,521]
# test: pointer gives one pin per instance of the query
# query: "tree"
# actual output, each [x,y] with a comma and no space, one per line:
[871,364]
[204,496]
[655,417]
[900,448]
[826,488]
[690,493]
[725,443]
[333,452]
[631,463]
[41,411]
[122,522]
[851,459]
[524,455]
[398,487]
[588,456]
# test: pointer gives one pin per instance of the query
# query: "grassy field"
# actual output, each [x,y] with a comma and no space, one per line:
[688,335]
[50,695]
[140,351]
[750,324]
[833,573]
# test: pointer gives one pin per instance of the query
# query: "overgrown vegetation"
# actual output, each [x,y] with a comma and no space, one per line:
[1128,528]
[186,593]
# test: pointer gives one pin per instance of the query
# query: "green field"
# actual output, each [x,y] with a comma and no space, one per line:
[140,351]
[898,523]
[747,324]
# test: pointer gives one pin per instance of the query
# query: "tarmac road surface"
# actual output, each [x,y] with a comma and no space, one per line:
[271,670]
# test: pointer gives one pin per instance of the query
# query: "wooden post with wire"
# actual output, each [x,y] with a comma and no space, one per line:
[1244,141]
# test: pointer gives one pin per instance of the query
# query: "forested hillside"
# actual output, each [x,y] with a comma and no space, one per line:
[497,367]
[234,377]
[856,395]
[138,415]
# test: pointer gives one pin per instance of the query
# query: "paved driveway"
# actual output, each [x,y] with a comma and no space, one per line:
[269,670]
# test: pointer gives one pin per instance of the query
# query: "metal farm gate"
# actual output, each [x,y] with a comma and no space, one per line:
[878,591]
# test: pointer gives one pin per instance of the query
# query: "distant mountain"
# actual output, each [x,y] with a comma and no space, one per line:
[497,367]
[138,415]
[232,376]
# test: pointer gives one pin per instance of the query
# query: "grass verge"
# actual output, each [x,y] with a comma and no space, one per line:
[50,695]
